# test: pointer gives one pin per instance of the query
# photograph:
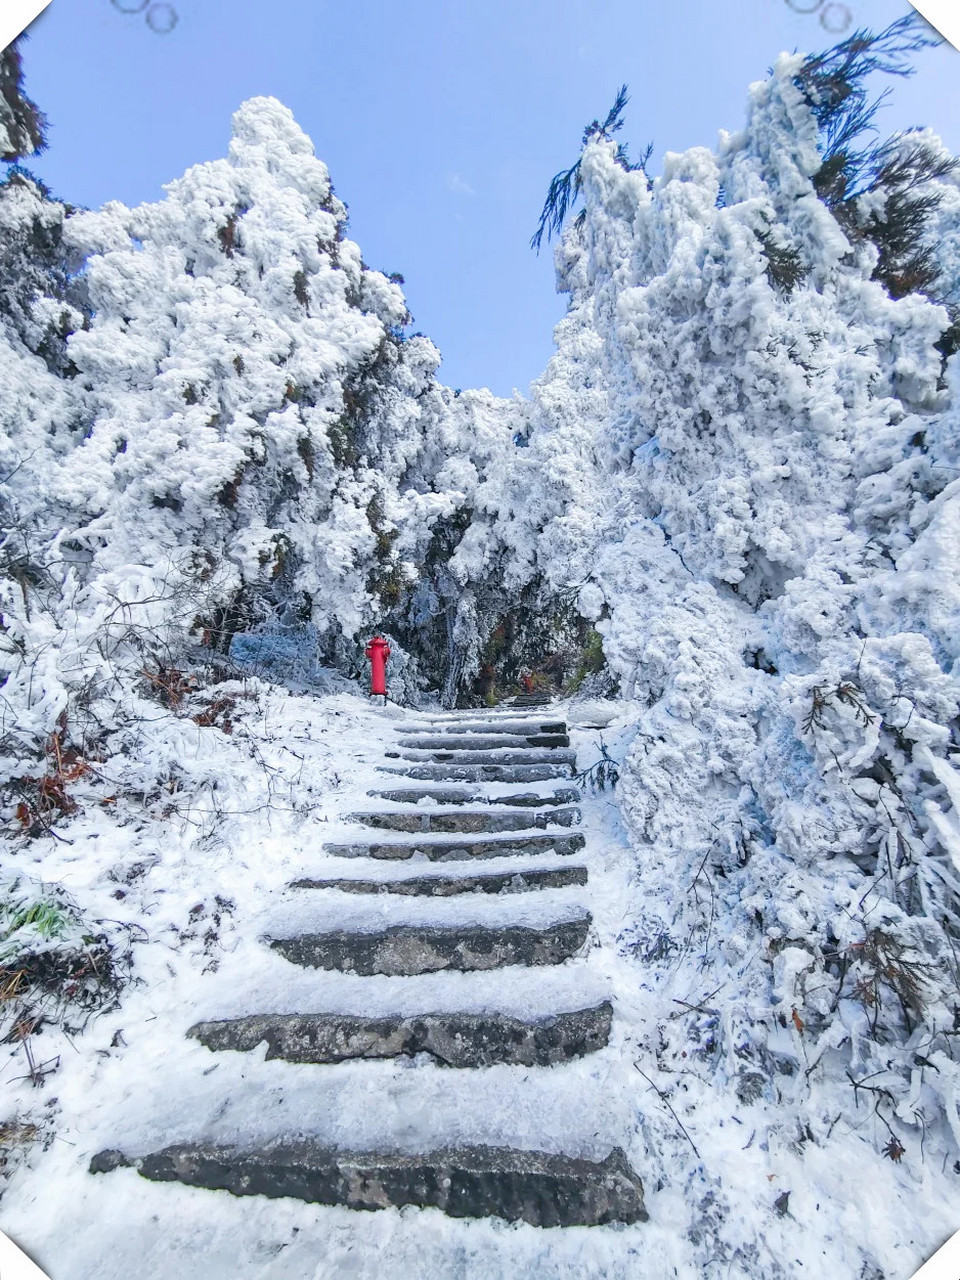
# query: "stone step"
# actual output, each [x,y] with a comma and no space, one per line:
[531,700]
[479,742]
[485,757]
[459,850]
[449,886]
[451,1039]
[519,728]
[537,1187]
[469,820]
[463,795]
[480,772]
[403,950]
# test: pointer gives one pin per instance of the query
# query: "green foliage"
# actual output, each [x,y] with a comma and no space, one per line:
[534,642]
[385,581]
[901,169]
[834,83]
[340,434]
[45,918]
[422,615]
[307,455]
[785,269]
[561,195]
[591,661]
[33,265]
[883,964]
[354,435]
[55,967]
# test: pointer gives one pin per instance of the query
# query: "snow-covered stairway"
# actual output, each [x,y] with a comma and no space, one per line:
[447,967]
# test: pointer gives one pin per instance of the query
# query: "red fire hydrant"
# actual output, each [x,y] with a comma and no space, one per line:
[378,651]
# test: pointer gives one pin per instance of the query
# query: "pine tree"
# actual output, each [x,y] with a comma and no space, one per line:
[774,456]
[883,192]
[565,187]
[263,436]
[37,298]
[23,126]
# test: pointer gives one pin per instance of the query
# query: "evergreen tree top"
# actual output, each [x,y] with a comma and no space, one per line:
[565,186]
[23,127]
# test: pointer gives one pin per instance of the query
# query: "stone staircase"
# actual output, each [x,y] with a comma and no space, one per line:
[497,801]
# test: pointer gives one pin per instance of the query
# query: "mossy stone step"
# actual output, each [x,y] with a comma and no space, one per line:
[537,1187]
[450,886]
[458,850]
[403,950]
[464,1040]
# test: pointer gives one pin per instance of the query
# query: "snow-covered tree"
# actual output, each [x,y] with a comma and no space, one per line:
[259,421]
[22,125]
[746,451]
[261,443]
[40,422]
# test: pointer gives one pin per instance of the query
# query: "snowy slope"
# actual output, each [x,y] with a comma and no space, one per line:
[199,879]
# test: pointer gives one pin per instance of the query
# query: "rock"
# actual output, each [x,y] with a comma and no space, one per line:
[448,886]
[458,850]
[537,1187]
[409,949]
[482,772]
[107,1161]
[515,727]
[526,799]
[477,742]
[440,796]
[451,1039]
[476,821]
[532,799]
[488,757]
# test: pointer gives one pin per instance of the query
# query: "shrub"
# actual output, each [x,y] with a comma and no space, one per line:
[56,967]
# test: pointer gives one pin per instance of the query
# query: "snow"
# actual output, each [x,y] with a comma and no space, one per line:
[176,860]
[748,486]
[154,1085]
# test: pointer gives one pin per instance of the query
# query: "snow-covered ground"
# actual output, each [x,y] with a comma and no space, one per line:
[206,875]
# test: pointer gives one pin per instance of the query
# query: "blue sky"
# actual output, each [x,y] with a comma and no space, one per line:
[442,122]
